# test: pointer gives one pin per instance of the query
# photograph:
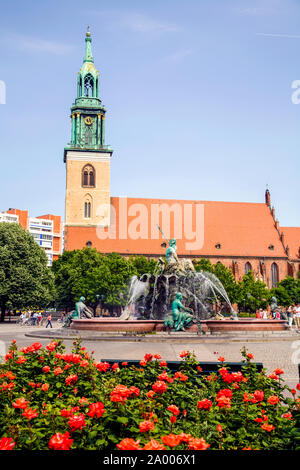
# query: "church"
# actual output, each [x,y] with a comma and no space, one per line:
[242,236]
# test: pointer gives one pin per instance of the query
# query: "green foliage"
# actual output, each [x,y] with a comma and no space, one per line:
[287,291]
[89,273]
[142,265]
[254,293]
[45,391]
[25,279]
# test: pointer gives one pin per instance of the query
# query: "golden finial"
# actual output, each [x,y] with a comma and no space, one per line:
[88,32]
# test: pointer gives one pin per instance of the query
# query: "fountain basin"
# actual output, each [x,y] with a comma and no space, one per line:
[148,326]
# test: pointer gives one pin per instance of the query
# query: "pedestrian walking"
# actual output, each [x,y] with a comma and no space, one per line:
[39,317]
[49,318]
[297,317]
[290,315]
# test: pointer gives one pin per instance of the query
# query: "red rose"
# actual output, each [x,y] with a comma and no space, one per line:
[159,387]
[184,354]
[174,409]
[6,443]
[145,426]
[76,422]
[45,387]
[267,427]
[198,444]
[60,441]
[204,404]
[278,371]
[148,357]
[96,409]
[172,440]
[259,395]
[129,444]
[272,400]
[154,445]
[29,413]
[20,403]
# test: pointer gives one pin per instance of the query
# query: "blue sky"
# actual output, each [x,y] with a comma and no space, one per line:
[198,98]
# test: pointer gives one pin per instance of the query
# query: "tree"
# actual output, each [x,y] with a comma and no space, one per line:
[25,279]
[254,293]
[226,277]
[142,265]
[90,274]
[287,291]
[203,265]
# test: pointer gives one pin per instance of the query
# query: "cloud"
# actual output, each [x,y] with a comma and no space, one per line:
[33,44]
[274,35]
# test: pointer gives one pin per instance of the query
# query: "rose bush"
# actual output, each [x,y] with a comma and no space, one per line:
[50,399]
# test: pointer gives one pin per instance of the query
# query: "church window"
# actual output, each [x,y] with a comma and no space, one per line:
[248,267]
[87,210]
[274,275]
[88,176]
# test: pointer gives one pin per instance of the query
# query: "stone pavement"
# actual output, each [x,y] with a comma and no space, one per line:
[281,351]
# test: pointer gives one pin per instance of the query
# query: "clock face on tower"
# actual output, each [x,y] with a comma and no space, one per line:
[88,120]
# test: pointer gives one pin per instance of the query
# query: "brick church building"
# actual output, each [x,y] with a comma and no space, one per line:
[242,236]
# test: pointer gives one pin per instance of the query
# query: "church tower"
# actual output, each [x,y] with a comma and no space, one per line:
[86,157]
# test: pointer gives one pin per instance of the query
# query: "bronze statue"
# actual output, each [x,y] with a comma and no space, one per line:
[181,316]
[80,310]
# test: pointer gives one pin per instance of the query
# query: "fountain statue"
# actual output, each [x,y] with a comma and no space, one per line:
[175,283]
[81,310]
[181,316]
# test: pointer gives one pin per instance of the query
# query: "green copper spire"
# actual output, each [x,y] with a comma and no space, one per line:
[88,112]
[88,56]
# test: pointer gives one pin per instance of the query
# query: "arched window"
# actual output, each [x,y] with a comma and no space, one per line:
[274,275]
[248,267]
[88,176]
[89,86]
[87,210]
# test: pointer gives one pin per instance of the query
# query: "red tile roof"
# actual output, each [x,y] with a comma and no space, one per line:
[292,239]
[241,229]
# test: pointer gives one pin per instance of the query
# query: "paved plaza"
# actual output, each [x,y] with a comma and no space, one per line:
[277,352]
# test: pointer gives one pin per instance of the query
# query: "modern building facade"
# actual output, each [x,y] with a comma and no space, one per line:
[47,230]
[243,236]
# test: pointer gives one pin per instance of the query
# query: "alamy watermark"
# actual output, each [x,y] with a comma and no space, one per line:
[134,221]
[2,92]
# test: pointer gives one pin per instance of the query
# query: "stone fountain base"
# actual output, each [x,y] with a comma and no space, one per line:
[148,326]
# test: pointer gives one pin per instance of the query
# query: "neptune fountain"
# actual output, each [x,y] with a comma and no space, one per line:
[175,283]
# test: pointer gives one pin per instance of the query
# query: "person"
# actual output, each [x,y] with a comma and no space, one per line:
[277,314]
[34,318]
[39,317]
[290,315]
[49,318]
[297,317]
[265,314]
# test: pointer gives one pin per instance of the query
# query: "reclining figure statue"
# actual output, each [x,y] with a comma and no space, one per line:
[181,316]
[81,310]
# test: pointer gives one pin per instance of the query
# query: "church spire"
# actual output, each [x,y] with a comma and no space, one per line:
[88,56]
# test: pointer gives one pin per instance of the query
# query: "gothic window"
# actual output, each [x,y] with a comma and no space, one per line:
[87,210]
[248,267]
[88,86]
[88,176]
[274,275]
